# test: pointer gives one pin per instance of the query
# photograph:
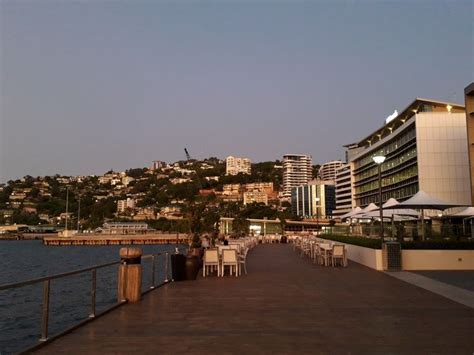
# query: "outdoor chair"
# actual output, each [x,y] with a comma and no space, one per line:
[242,261]
[229,258]
[337,254]
[325,253]
[211,261]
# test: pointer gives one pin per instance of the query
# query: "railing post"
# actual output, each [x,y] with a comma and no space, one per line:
[167,261]
[44,324]
[93,292]
[130,275]
[152,272]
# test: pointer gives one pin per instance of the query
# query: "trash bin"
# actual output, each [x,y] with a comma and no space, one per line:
[178,267]
[392,256]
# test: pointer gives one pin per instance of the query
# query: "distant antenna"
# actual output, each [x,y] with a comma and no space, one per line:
[188,157]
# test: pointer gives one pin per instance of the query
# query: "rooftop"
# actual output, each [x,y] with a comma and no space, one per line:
[417,106]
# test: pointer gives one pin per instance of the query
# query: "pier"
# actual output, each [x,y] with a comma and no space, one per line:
[115,239]
[286,304]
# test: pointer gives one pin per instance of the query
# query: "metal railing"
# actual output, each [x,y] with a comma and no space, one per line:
[93,290]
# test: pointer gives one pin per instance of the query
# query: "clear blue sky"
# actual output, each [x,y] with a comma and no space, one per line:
[87,86]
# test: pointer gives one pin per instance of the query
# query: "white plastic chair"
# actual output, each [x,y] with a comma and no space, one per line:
[338,254]
[242,261]
[211,260]
[229,258]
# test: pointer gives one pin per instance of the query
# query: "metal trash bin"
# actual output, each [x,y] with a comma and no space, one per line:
[178,267]
[392,256]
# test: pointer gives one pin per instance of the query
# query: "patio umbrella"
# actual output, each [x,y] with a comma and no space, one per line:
[351,213]
[467,212]
[421,200]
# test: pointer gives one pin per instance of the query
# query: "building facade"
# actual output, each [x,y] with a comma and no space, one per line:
[425,148]
[234,165]
[122,205]
[343,189]
[255,196]
[314,200]
[469,101]
[297,171]
[327,171]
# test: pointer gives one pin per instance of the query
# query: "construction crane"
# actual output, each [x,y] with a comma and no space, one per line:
[188,157]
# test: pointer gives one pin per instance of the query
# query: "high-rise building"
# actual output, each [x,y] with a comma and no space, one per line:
[236,165]
[314,200]
[327,171]
[469,100]
[297,171]
[426,149]
[343,190]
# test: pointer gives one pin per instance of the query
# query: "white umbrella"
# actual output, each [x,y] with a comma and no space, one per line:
[467,212]
[421,200]
[351,213]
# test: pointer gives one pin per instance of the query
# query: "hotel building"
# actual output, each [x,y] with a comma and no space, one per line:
[425,148]
[469,100]
[327,171]
[236,165]
[297,171]
[314,200]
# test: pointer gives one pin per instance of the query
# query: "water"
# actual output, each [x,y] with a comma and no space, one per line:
[20,309]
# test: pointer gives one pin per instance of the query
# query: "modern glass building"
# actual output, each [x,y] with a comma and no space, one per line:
[425,148]
[316,199]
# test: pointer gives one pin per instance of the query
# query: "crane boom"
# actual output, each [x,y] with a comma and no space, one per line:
[188,157]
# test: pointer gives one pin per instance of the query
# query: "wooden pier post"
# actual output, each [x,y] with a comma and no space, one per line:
[130,275]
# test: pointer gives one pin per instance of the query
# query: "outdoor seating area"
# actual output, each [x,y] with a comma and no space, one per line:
[231,256]
[320,251]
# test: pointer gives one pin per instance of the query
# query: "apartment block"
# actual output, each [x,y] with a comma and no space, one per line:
[297,171]
[327,171]
[236,165]
[343,187]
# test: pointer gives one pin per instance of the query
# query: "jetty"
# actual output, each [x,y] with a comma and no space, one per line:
[116,239]
[285,304]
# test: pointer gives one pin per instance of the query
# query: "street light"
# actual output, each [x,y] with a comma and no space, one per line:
[379,159]
[317,214]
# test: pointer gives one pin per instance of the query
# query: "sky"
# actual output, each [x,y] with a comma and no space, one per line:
[88,86]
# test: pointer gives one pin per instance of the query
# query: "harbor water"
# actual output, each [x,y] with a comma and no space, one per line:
[20,308]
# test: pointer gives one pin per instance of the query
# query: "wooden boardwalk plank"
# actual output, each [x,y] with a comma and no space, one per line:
[285,305]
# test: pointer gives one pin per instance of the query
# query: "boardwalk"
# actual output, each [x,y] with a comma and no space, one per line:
[285,305]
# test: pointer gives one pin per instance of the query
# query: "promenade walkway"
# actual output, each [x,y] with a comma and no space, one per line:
[285,304]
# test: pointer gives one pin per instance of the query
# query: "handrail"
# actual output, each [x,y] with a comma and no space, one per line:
[57,276]
[46,280]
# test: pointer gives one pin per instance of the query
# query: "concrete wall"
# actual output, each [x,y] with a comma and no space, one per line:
[443,160]
[413,259]
[438,259]
[366,256]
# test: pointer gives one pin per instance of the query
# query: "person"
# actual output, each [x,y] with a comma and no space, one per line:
[205,243]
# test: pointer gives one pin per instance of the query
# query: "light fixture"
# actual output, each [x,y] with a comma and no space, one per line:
[449,108]
[378,159]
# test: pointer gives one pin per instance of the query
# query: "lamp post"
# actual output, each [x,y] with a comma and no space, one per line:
[317,214]
[379,159]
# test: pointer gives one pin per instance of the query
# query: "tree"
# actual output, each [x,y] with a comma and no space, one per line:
[240,227]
